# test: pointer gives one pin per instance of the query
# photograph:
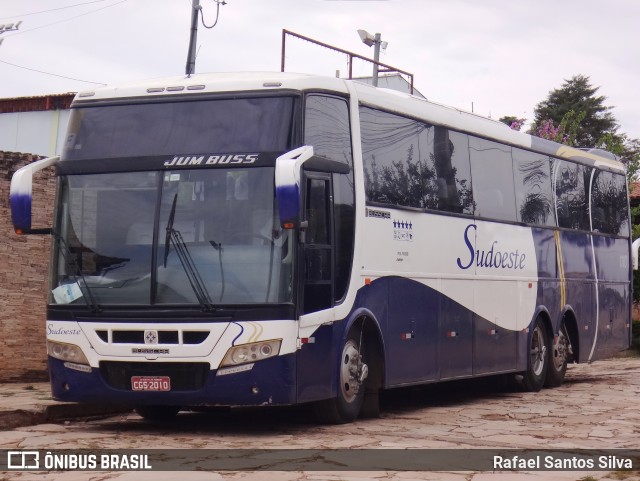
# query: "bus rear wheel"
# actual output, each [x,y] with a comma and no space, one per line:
[560,353]
[158,413]
[538,359]
[353,374]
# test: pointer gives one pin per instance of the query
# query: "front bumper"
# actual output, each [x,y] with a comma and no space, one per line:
[271,381]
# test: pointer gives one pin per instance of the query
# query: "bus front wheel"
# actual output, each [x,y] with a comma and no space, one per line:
[538,359]
[353,374]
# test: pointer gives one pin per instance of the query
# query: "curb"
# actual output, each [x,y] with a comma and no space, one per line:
[58,412]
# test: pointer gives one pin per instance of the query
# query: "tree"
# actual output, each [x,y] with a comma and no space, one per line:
[577,95]
[513,122]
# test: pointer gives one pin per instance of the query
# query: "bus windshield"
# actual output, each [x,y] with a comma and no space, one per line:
[218,125]
[189,236]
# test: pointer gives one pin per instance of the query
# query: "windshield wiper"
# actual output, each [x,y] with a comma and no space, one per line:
[218,246]
[89,298]
[195,281]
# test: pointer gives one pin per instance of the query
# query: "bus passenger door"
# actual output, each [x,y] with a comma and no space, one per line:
[317,245]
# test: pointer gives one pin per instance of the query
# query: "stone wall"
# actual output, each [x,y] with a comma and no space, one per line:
[24,268]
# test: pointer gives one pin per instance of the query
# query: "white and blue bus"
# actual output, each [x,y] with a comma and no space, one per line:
[278,239]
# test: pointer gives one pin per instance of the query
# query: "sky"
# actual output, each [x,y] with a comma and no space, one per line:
[495,57]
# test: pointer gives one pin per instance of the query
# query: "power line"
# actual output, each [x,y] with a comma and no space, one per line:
[67,19]
[53,9]
[52,74]
[218,3]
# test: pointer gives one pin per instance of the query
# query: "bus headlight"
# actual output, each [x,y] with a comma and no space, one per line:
[255,351]
[66,352]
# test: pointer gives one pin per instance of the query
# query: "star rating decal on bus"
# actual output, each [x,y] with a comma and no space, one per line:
[400,224]
[402,230]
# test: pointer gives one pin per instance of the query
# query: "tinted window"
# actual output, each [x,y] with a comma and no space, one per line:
[414,164]
[344,222]
[326,127]
[609,204]
[241,125]
[532,177]
[571,182]
[453,172]
[397,164]
[492,174]
[317,202]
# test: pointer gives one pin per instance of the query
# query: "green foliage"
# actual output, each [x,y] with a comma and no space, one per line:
[577,95]
[563,133]
[631,156]
[571,125]
[635,335]
[513,122]
[612,143]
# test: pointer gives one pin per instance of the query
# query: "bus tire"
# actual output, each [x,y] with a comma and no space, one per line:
[538,359]
[353,374]
[157,413]
[558,358]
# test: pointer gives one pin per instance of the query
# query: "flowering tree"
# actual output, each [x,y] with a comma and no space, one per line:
[513,122]
[577,95]
[564,133]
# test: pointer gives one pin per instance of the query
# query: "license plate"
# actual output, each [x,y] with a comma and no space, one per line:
[150,383]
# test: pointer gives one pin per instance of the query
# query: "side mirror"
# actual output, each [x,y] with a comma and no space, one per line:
[288,167]
[288,171]
[20,196]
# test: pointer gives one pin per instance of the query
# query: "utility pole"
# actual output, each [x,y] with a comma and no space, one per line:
[377,43]
[191,55]
[376,57]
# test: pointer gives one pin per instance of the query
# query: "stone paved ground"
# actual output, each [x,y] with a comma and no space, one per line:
[598,407]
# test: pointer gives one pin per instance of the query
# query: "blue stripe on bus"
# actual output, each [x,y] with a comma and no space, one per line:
[429,337]
[21,211]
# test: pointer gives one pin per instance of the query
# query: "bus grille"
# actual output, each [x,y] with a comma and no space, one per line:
[185,376]
[164,337]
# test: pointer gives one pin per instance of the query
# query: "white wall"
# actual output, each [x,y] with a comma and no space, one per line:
[40,133]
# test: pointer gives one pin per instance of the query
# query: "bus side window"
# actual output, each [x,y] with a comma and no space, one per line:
[327,129]
[572,199]
[532,179]
[608,204]
[492,177]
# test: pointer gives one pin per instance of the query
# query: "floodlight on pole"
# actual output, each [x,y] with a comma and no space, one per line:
[376,41]
[366,37]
